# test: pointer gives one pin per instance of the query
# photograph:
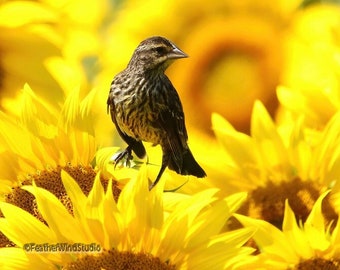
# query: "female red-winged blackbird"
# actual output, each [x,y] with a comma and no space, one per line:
[145,106]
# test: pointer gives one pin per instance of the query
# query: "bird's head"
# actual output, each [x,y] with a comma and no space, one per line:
[155,53]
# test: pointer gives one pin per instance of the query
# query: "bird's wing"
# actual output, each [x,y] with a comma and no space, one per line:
[137,146]
[171,120]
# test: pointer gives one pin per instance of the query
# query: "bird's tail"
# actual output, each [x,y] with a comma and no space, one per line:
[189,165]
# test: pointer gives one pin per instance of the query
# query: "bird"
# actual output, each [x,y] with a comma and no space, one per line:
[145,106]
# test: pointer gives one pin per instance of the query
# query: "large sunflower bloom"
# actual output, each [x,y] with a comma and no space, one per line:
[42,141]
[309,245]
[274,164]
[133,233]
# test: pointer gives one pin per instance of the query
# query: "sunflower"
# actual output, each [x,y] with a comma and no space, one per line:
[309,245]
[310,83]
[274,164]
[133,233]
[235,52]
[40,142]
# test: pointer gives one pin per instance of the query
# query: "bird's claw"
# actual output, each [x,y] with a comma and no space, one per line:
[124,154]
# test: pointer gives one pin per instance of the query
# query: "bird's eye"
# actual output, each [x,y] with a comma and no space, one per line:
[160,50]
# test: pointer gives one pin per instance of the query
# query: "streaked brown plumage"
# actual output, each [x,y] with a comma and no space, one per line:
[144,106]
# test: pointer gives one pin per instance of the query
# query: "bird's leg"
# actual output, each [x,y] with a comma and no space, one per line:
[158,177]
[164,165]
[126,153]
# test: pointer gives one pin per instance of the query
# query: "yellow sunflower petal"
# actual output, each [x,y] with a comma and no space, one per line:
[145,207]
[222,251]
[315,217]
[86,104]
[291,99]
[236,200]
[314,226]
[18,222]
[94,210]
[39,125]
[17,259]
[299,150]
[263,130]
[202,227]
[16,140]
[239,146]
[181,220]
[75,193]
[269,238]
[295,234]
[172,199]
[327,155]
[90,210]
[112,220]
[70,109]
[53,212]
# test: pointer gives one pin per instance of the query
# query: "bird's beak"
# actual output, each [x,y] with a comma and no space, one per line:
[176,53]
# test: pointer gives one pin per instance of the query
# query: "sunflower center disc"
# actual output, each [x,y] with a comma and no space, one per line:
[318,264]
[114,259]
[268,202]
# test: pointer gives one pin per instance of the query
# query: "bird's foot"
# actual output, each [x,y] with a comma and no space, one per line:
[126,154]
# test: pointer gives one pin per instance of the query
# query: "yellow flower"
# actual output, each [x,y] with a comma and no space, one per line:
[235,52]
[311,78]
[26,41]
[136,231]
[309,245]
[40,142]
[278,163]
